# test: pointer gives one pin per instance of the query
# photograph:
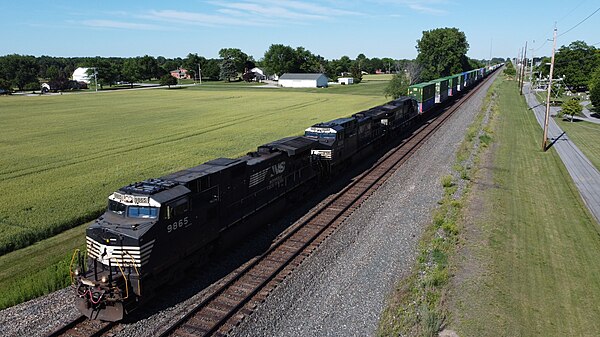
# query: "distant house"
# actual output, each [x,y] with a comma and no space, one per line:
[81,75]
[259,73]
[294,80]
[345,80]
[180,74]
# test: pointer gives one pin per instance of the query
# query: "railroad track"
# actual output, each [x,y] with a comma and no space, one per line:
[232,301]
[83,327]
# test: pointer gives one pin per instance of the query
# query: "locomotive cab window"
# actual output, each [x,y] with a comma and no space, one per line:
[176,208]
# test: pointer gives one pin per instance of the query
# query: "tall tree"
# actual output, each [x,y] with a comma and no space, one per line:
[575,63]
[148,68]
[442,52]
[192,62]
[571,108]
[19,69]
[356,72]
[397,86]
[132,71]
[228,70]
[279,59]
[211,69]
[595,89]
[238,57]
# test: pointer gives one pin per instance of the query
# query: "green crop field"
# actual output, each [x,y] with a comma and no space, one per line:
[531,252]
[61,156]
[586,136]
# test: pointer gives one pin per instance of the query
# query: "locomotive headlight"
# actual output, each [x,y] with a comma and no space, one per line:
[104,279]
[77,272]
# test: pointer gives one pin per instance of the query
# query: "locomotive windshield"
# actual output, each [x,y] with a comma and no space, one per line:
[142,212]
[116,207]
[133,211]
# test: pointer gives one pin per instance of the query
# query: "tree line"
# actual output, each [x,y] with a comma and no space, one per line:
[441,52]
[25,72]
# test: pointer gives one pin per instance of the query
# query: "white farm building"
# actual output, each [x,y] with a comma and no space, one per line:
[80,75]
[292,80]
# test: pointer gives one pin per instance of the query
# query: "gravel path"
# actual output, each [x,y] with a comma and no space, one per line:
[339,291]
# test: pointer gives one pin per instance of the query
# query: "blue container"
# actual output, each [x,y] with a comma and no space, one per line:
[426,105]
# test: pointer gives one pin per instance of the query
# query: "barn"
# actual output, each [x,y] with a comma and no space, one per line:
[80,75]
[294,80]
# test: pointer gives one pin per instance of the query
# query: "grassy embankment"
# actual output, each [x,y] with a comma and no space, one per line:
[586,136]
[62,155]
[530,252]
[418,305]
[524,258]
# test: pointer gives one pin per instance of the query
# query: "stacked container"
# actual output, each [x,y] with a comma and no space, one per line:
[441,89]
[453,82]
[424,93]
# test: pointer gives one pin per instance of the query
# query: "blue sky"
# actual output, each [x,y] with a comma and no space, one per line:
[330,28]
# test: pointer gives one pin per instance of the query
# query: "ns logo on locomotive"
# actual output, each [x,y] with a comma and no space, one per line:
[156,228]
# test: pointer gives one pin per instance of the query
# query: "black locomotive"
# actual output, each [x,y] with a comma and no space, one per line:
[154,227]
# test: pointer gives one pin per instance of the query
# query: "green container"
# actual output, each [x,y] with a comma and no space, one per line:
[422,91]
[453,83]
[441,89]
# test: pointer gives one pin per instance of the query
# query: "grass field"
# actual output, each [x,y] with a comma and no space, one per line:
[586,136]
[532,251]
[62,155]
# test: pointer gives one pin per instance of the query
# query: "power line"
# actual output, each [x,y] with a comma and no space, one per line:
[545,41]
[571,11]
[580,22]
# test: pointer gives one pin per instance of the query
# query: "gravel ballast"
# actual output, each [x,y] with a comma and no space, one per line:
[339,291]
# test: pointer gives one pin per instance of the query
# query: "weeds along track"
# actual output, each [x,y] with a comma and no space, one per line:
[230,302]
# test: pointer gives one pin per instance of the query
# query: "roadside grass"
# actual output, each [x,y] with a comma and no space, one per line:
[586,136]
[532,268]
[38,269]
[418,305]
[62,155]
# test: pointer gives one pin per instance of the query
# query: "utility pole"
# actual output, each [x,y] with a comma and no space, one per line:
[517,66]
[524,67]
[200,73]
[96,78]
[531,72]
[548,97]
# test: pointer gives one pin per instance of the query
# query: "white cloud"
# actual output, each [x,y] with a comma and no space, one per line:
[119,25]
[432,7]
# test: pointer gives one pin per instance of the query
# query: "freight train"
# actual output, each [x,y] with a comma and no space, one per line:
[154,229]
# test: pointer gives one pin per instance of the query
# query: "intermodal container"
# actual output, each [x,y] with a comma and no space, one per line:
[426,105]
[465,81]
[461,82]
[422,91]
[453,84]
[441,89]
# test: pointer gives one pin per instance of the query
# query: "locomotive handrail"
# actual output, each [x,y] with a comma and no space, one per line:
[125,278]
[136,272]
[71,266]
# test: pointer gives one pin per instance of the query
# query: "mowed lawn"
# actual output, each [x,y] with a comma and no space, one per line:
[586,136]
[533,268]
[62,155]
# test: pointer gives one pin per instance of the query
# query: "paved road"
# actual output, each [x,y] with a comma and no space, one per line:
[584,174]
